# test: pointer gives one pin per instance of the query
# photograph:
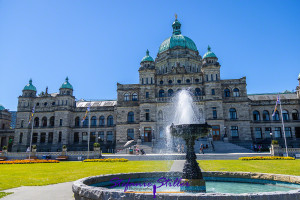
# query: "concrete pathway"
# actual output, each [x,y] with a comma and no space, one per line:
[60,191]
[177,166]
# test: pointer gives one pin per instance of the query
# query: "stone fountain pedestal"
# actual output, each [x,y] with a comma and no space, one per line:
[191,171]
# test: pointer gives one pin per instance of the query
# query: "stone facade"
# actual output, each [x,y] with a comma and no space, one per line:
[143,110]
[6,133]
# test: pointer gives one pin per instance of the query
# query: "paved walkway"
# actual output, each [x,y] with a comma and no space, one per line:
[60,191]
[177,166]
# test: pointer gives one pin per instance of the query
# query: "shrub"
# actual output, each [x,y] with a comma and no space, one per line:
[274,142]
[28,161]
[34,146]
[64,146]
[4,148]
[96,144]
[107,160]
[267,158]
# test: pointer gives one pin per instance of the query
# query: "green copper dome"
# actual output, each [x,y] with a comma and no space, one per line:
[209,53]
[1,107]
[66,85]
[177,40]
[147,57]
[29,86]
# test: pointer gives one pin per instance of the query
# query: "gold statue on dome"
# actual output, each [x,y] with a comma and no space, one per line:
[175,16]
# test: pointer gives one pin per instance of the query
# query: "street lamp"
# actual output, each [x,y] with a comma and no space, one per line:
[153,138]
[139,140]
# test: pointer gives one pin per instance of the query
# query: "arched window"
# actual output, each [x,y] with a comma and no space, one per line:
[52,121]
[227,92]
[101,121]
[77,121]
[110,120]
[161,82]
[236,92]
[197,92]
[178,81]
[276,116]
[126,97]
[188,80]
[161,93]
[130,134]
[285,115]
[161,132]
[232,113]
[86,122]
[197,80]
[130,117]
[134,97]
[160,115]
[44,121]
[295,114]
[93,121]
[170,92]
[256,115]
[266,116]
[170,81]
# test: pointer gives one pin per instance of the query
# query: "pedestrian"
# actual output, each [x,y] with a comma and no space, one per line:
[259,148]
[28,149]
[212,145]
[182,148]
[178,148]
[201,149]
[255,147]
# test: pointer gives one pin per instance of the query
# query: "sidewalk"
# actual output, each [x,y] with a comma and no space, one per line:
[60,191]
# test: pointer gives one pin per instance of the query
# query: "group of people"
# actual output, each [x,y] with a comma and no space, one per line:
[256,147]
[138,150]
[180,149]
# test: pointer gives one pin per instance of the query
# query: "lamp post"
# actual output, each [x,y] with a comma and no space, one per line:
[139,140]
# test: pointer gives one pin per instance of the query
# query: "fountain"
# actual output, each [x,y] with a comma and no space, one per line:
[192,184]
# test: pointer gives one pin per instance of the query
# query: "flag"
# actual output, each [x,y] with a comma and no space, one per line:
[86,112]
[31,115]
[278,101]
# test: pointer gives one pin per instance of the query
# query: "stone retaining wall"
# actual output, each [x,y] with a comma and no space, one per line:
[82,190]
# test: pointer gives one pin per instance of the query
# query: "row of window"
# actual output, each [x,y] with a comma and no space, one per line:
[44,122]
[277,133]
[187,81]
[236,92]
[170,92]
[94,137]
[275,116]
[110,121]
[43,137]
[212,77]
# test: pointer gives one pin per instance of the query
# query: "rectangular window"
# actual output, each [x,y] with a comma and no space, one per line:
[21,138]
[60,122]
[93,137]
[142,81]
[34,138]
[206,77]
[59,136]
[76,137]
[288,132]
[151,80]
[216,77]
[43,138]
[50,137]
[109,136]
[147,115]
[215,116]
[258,133]
[213,92]
[22,122]
[147,95]
[277,132]
[84,137]
[101,136]
[130,134]
[267,132]
[211,77]
[234,132]
[146,80]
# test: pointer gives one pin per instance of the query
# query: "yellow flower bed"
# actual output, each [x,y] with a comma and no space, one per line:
[107,160]
[28,161]
[267,158]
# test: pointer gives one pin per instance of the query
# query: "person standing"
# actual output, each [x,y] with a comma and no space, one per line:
[182,148]
[201,149]
[178,148]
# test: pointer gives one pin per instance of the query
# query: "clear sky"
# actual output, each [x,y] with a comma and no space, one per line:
[99,43]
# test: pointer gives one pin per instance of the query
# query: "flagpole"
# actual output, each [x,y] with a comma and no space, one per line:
[89,134]
[287,154]
[31,137]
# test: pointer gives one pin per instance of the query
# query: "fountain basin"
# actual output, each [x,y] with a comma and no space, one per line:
[85,189]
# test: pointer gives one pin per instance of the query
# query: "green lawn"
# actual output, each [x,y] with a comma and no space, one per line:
[291,167]
[3,194]
[49,173]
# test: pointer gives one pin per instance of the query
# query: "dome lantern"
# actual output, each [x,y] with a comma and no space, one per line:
[209,53]
[66,85]
[2,107]
[147,58]
[29,86]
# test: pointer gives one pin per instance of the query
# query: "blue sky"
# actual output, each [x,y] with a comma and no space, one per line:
[99,43]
